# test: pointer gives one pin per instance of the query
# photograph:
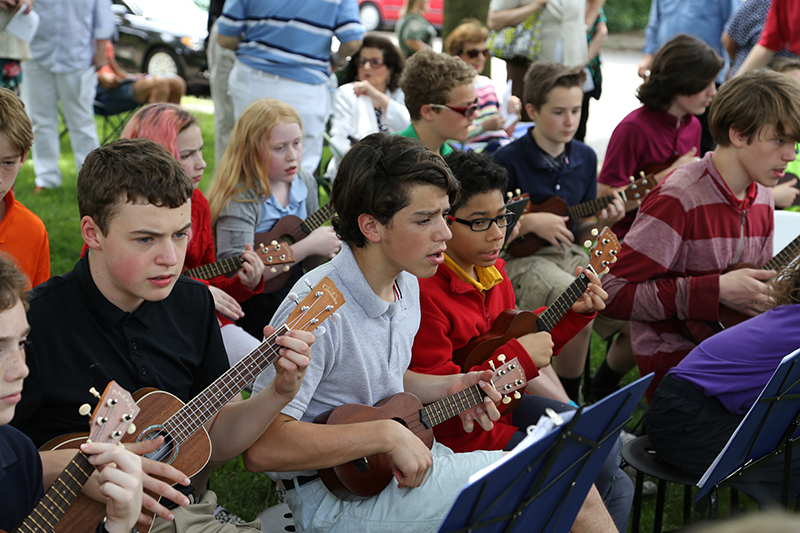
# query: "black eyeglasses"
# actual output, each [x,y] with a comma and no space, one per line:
[475,53]
[374,62]
[466,111]
[483,224]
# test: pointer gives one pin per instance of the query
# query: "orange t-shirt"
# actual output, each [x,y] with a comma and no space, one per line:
[24,237]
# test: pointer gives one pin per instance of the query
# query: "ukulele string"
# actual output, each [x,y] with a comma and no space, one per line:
[186,421]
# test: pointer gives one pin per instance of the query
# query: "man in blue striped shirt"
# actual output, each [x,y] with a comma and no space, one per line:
[283,51]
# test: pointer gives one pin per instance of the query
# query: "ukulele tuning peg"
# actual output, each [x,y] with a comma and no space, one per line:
[506,400]
[94,392]
[509,195]
[286,268]
[274,243]
[501,358]
[517,191]
[111,402]
[491,364]
[131,429]
[321,330]
[116,434]
[587,243]
[273,269]
[335,317]
[605,270]
[595,232]
[121,445]
[641,173]
[517,395]
[292,297]
[127,417]
[631,179]
[261,245]
[308,284]
[614,259]
[85,409]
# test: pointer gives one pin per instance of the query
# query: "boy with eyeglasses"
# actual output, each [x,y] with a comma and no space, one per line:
[547,162]
[465,297]
[440,97]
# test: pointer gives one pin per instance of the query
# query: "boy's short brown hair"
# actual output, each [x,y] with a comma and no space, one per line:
[429,77]
[784,64]
[684,65]
[375,178]
[129,171]
[753,100]
[14,122]
[544,76]
[13,284]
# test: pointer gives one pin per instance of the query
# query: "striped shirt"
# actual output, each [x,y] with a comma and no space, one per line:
[689,229]
[290,38]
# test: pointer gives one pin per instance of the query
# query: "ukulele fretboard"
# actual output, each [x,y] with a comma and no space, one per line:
[317,219]
[588,208]
[447,408]
[212,270]
[556,311]
[785,256]
[58,497]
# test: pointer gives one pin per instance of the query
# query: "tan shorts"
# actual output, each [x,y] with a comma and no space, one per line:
[541,278]
[199,518]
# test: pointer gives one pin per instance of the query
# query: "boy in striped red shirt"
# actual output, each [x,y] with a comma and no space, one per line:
[704,217]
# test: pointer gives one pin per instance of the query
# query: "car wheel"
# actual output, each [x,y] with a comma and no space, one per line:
[370,16]
[161,62]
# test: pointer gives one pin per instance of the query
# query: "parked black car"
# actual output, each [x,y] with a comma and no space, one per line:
[163,38]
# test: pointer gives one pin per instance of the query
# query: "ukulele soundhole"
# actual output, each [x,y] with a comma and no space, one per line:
[165,453]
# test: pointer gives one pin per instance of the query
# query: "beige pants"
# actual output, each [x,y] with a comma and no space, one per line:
[199,518]
[541,278]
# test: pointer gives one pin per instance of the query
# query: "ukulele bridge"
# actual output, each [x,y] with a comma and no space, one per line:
[167,452]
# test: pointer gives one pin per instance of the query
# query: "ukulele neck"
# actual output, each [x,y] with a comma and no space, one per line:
[556,311]
[212,270]
[317,219]
[448,407]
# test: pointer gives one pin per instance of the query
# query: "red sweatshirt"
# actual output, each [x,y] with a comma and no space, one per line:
[453,313]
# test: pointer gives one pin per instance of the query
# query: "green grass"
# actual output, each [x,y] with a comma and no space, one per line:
[243,493]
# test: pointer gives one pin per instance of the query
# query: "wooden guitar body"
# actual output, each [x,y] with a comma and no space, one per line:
[526,245]
[368,476]
[699,330]
[156,407]
[510,324]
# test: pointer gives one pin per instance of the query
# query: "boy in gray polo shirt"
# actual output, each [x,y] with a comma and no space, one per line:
[391,196]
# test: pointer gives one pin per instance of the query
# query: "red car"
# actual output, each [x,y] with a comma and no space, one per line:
[376,14]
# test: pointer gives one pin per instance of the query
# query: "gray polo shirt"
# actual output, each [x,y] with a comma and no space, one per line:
[362,357]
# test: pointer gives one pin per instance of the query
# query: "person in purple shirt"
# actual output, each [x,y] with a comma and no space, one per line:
[702,400]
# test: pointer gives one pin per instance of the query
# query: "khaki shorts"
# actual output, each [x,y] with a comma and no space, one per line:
[199,518]
[606,327]
[541,278]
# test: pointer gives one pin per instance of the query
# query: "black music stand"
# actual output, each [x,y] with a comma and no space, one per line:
[769,429]
[542,484]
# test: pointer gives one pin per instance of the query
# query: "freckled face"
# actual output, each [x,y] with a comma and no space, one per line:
[13,370]
[285,151]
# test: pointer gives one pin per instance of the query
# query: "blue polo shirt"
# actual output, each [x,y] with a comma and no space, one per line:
[528,171]
[20,477]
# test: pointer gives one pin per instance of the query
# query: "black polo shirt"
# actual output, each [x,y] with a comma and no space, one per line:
[20,477]
[80,340]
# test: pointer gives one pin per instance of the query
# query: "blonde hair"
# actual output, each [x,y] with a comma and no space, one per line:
[244,166]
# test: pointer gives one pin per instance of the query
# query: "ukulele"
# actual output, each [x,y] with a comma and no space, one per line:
[530,243]
[186,445]
[111,419]
[513,323]
[699,330]
[368,476]
[291,229]
[274,254]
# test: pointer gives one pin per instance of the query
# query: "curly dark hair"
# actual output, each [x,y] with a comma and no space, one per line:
[375,178]
[685,65]
[429,78]
[391,57]
[476,174]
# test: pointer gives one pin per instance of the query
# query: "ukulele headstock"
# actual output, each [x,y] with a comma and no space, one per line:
[640,187]
[316,307]
[517,196]
[508,378]
[277,253]
[113,415]
[604,251]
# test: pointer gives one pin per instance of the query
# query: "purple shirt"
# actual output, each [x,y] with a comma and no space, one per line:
[735,364]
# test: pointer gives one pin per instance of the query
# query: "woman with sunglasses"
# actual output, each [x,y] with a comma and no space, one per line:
[489,132]
[370,100]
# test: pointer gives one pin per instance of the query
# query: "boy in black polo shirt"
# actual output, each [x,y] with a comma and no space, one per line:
[125,313]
